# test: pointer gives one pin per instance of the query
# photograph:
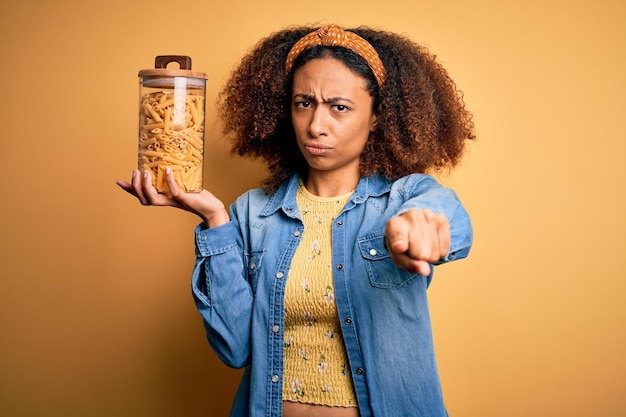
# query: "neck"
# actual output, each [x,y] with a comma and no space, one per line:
[329,184]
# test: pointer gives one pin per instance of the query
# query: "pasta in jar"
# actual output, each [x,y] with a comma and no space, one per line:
[171,134]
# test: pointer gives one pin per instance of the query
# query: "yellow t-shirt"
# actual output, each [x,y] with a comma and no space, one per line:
[316,369]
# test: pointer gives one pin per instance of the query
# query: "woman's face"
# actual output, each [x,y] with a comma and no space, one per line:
[332,115]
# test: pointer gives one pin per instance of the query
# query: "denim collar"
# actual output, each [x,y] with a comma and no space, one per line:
[285,197]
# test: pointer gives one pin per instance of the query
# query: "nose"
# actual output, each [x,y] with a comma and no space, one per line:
[316,124]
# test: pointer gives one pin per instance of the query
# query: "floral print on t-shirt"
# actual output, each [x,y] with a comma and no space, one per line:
[316,368]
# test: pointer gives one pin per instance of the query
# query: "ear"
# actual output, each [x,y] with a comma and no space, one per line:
[373,123]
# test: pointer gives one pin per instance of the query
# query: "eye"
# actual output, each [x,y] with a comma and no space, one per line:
[302,103]
[340,108]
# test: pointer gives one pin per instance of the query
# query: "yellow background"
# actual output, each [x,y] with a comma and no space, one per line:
[96,316]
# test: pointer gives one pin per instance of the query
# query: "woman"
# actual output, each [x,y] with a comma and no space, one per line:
[316,283]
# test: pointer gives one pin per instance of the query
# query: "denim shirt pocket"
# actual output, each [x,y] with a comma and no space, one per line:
[253,261]
[381,270]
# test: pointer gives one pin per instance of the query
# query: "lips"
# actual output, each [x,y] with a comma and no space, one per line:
[316,149]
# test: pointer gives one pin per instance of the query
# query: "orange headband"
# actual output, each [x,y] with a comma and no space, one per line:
[333,35]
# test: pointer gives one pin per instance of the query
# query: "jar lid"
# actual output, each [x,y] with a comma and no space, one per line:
[160,68]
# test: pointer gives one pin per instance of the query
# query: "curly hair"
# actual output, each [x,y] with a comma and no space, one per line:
[422,123]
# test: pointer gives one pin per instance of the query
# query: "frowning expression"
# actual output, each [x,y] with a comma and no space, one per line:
[332,115]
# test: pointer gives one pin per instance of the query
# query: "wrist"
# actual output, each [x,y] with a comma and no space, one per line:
[216,219]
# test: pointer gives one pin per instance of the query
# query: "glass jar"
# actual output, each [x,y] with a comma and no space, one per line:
[171,122]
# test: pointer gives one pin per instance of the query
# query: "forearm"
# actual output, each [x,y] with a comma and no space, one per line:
[222,293]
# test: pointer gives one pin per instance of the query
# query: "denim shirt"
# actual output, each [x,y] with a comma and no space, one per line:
[239,282]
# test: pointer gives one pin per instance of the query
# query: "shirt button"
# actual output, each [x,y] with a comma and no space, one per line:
[279,275]
[360,371]
[275,328]
[275,378]
[348,321]
[340,223]
[373,252]
[340,267]
[297,233]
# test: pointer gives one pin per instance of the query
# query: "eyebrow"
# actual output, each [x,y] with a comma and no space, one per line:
[331,100]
